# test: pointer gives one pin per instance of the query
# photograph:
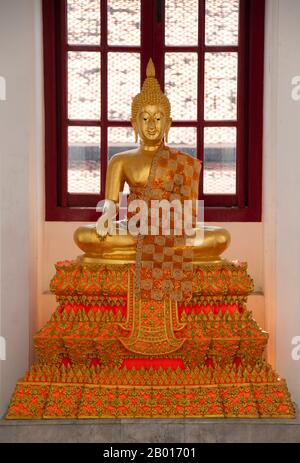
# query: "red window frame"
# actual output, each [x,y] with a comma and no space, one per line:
[245,205]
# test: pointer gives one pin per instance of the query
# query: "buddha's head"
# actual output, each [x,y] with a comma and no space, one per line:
[150,111]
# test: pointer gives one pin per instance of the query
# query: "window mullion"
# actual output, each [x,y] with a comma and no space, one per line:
[241,145]
[104,93]
[147,13]
[158,42]
[200,109]
[63,110]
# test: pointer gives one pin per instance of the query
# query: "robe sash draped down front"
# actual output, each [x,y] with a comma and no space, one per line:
[164,263]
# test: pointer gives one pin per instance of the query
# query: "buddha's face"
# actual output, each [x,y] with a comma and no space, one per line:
[151,124]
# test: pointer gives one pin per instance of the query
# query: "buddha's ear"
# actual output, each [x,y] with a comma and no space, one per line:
[168,125]
[135,128]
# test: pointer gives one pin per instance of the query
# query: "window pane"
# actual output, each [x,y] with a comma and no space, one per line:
[220,86]
[219,160]
[183,139]
[83,22]
[123,83]
[83,85]
[221,22]
[120,139]
[124,22]
[181,26]
[181,84]
[84,160]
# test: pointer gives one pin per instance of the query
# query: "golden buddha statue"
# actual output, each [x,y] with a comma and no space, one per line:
[151,122]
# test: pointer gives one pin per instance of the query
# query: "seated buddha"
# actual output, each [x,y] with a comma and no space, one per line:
[151,121]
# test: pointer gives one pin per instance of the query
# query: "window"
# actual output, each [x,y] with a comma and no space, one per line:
[208,56]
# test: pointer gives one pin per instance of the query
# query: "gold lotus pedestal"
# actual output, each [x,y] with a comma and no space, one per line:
[86,369]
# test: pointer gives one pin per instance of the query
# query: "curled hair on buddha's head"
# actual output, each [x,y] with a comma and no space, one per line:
[151,94]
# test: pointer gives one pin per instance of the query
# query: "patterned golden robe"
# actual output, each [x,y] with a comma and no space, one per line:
[164,264]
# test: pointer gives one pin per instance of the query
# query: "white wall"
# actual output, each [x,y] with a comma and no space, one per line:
[282,186]
[21,155]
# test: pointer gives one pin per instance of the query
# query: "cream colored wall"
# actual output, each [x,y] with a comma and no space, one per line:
[21,145]
[282,187]
[57,244]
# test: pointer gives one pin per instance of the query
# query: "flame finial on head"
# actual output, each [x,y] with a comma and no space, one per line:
[151,94]
[150,71]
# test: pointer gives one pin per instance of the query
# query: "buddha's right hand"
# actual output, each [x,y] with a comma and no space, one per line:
[105,223]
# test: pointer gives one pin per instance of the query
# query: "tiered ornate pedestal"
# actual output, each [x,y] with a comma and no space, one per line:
[85,370]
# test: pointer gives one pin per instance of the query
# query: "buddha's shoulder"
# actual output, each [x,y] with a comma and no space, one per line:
[123,157]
